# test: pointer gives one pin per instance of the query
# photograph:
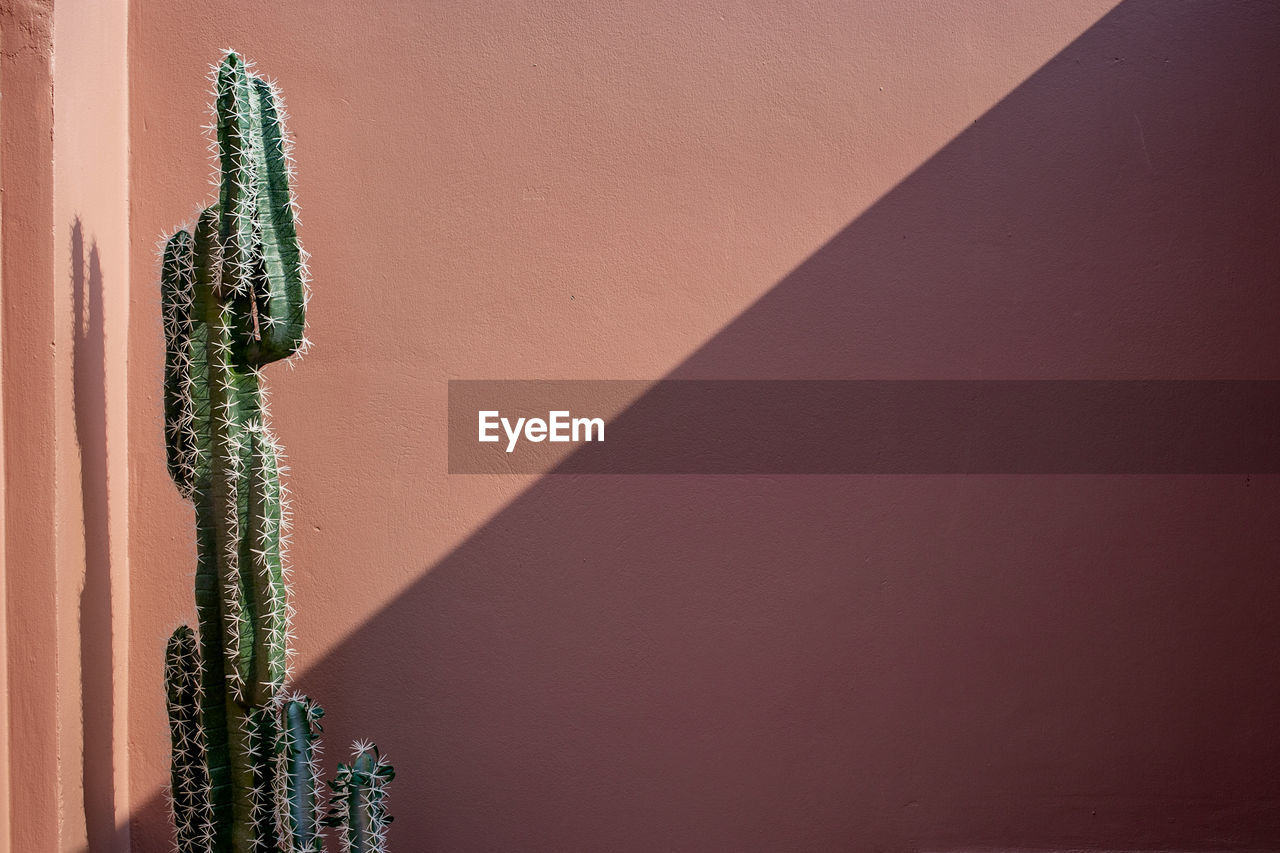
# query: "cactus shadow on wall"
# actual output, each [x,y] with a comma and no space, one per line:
[830,663]
[89,384]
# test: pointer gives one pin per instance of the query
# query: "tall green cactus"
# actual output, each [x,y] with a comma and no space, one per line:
[233,296]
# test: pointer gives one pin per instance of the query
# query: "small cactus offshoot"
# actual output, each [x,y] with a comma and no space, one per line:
[233,291]
[297,776]
[359,798]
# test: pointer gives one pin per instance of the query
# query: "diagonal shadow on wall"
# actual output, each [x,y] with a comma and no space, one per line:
[687,663]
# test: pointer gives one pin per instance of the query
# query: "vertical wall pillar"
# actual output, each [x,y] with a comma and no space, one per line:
[28,361]
[63,335]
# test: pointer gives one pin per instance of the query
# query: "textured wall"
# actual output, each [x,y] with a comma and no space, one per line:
[30,449]
[887,189]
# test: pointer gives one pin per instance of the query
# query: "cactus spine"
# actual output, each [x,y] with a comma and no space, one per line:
[233,298]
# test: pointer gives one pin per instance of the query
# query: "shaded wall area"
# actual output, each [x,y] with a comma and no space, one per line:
[905,662]
[97,711]
[777,663]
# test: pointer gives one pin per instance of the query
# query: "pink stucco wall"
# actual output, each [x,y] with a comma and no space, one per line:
[806,190]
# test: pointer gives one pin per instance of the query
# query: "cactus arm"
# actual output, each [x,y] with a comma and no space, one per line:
[177,286]
[239,229]
[264,269]
[206,267]
[358,804]
[238,196]
[297,776]
[189,787]
[280,298]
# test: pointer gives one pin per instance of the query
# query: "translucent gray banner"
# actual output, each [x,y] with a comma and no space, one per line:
[864,427]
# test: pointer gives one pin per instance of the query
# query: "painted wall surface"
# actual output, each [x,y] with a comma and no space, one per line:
[889,189]
[30,533]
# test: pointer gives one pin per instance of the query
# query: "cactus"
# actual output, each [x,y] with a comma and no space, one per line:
[233,299]
[359,795]
[192,811]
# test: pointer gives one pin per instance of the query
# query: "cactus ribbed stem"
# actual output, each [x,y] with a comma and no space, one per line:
[189,783]
[263,737]
[297,776]
[359,798]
